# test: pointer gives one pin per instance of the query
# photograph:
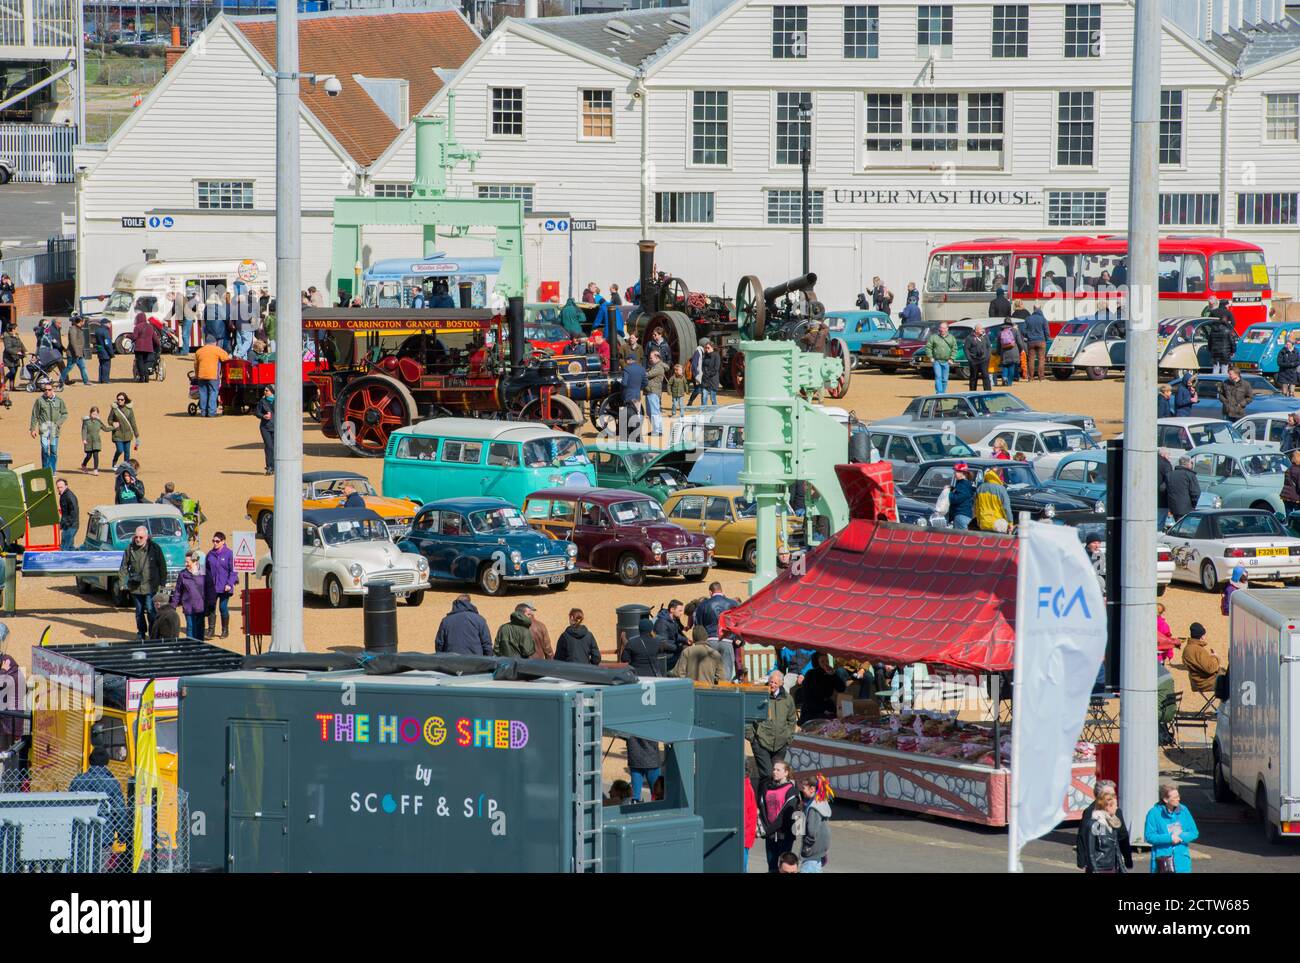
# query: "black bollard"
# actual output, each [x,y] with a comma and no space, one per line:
[380,619]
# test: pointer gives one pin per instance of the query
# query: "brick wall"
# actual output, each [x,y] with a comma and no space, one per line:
[55,298]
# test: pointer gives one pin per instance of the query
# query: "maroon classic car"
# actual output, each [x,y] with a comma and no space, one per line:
[620,531]
[896,353]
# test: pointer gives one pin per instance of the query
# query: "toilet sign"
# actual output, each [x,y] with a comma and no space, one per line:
[245,548]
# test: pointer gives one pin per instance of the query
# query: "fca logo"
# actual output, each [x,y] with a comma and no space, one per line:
[1060,603]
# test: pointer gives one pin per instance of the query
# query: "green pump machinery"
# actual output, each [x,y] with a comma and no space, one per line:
[788,440]
[437,153]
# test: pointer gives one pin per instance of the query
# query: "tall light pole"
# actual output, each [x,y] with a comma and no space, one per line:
[286,549]
[1137,741]
[805,160]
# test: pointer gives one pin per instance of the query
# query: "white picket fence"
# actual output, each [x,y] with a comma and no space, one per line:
[41,153]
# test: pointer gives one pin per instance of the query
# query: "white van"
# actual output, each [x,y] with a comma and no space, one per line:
[154,286]
[1256,736]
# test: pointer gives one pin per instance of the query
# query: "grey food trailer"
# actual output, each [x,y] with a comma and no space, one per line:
[420,763]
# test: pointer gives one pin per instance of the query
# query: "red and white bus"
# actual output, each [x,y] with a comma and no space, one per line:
[1074,277]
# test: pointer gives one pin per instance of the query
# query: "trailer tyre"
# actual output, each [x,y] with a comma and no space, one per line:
[1222,791]
[1062,374]
[1271,832]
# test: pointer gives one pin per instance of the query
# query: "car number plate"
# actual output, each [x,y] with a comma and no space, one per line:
[692,571]
[551,579]
[1245,364]
[1272,551]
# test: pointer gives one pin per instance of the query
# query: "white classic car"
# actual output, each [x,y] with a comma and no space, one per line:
[346,550]
[1207,544]
[1044,443]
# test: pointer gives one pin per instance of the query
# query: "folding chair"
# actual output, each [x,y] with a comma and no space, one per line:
[1197,717]
[1167,716]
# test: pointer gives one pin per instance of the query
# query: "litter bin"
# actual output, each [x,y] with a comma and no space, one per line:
[380,619]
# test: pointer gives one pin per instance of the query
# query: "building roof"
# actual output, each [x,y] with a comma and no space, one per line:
[1253,45]
[375,44]
[897,593]
[647,32]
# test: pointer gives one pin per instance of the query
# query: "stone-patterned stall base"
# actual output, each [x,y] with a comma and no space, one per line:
[939,787]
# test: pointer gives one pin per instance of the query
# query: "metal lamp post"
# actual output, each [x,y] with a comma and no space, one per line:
[286,586]
[805,160]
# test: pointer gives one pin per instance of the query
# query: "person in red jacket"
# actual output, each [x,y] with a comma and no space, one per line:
[751,820]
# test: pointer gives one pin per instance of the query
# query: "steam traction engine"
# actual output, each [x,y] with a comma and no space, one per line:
[683,317]
[394,367]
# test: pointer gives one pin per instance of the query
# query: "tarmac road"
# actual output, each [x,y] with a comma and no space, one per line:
[864,840]
[31,214]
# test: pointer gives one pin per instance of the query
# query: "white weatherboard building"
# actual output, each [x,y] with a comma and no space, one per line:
[929,124]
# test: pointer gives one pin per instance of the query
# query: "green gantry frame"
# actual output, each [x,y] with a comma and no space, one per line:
[788,440]
[436,154]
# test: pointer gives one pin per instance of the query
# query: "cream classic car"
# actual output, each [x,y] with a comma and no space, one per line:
[346,550]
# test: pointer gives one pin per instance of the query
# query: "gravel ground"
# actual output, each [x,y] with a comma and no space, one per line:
[220,462]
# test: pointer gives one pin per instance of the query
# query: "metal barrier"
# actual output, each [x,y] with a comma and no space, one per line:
[58,262]
[88,829]
[42,153]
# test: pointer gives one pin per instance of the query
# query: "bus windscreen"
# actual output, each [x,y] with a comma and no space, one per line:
[1239,271]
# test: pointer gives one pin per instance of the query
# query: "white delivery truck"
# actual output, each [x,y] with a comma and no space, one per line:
[1257,738]
[154,286]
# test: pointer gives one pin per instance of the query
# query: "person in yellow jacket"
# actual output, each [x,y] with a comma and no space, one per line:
[992,504]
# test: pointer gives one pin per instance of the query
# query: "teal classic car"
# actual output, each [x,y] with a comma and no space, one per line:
[1241,476]
[110,528]
[658,472]
[487,541]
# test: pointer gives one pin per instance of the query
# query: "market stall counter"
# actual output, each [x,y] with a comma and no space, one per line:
[904,596]
[949,772]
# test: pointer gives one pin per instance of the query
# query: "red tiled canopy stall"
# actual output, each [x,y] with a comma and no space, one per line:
[893,593]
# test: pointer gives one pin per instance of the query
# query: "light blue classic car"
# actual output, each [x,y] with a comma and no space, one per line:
[1242,476]
[487,541]
[1082,474]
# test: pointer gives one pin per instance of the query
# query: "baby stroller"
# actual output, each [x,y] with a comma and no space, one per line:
[45,365]
[193,407]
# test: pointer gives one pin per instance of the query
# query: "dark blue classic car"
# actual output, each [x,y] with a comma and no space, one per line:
[487,541]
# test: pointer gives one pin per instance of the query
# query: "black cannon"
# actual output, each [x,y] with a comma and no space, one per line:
[787,311]
[779,307]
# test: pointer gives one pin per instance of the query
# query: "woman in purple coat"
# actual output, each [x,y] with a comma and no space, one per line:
[188,596]
[219,580]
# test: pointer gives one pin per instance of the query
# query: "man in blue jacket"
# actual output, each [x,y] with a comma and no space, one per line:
[1036,335]
[463,631]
